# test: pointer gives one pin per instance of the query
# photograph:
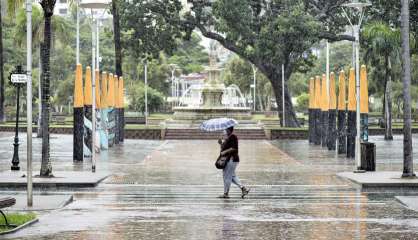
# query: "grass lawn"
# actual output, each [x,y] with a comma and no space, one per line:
[16,219]
[141,126]
[162,116]
[258,117]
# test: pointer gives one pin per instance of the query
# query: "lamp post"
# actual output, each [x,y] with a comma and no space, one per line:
[255,84]
[78,33]
[360,8]
[15,79]
[173,68]
[146,91]
[98,5]
[29,102]
[283,99]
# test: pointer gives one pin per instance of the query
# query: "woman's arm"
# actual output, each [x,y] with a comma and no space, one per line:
[229,151]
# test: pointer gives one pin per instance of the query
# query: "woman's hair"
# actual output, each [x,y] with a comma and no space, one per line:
[231,129]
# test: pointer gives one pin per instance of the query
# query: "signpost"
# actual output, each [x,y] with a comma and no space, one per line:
[18,78]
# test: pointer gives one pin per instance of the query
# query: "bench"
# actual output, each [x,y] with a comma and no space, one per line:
[4,203]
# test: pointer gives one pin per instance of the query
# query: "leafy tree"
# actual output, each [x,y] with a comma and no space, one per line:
[12,6]
[137,98]
[190,56]
[158,74]
[269,33]
[60,26]
[382,45]
[239,72]
[145,31]
[302,102]
[388,11]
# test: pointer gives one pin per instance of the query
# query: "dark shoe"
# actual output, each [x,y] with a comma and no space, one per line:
[245,191]
[224,196]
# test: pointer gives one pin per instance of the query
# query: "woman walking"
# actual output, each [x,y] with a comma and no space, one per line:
[229,148]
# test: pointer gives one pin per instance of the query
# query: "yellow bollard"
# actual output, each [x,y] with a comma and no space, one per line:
[121,111]
[97,90]
[332,114]
[341,118]
[88,88]
[317,111]
[364,104]
[111,91]
[310,109]
[332,93]
[88,101]
[103,86]
[351,119]
[78,115]
[352,91]
[342,92]
[116,110]
[364,91]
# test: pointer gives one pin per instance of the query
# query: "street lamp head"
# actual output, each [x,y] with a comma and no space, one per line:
[357,5]
[94,4]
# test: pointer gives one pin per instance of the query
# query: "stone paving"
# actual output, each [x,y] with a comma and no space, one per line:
[168,190]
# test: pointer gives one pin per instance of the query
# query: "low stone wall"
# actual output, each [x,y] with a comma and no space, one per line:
[152,134]
[55,130]
[274,134]
[158,134]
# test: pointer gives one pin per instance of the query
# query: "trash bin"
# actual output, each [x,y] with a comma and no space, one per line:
[368,156]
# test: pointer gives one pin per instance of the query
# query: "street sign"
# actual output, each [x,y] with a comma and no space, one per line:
[19,78]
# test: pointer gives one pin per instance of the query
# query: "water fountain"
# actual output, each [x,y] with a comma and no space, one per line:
[213,99]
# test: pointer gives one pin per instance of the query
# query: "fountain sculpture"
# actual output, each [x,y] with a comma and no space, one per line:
[213,99]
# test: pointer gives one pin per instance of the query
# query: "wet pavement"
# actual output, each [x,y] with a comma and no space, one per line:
[169,189]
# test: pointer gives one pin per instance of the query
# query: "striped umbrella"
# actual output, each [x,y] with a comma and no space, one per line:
[218,124]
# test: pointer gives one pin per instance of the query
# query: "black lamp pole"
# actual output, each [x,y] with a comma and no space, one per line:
[15,160]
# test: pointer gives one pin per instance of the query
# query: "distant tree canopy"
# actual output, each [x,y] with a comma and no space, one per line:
[145,31]
[270,33]
[190,56]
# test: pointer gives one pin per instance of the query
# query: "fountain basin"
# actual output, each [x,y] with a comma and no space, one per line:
[205,113]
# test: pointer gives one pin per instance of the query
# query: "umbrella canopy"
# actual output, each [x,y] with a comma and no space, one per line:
[218,124]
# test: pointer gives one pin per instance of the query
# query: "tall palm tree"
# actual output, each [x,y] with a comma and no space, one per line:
[48,11]
[118,63]
[2,115]
[383,42]
[60,26]
[408,162]
[118,45]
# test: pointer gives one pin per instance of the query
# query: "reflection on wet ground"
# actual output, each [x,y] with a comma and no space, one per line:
[168,190]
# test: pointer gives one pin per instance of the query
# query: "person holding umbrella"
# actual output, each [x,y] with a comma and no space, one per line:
[229,149]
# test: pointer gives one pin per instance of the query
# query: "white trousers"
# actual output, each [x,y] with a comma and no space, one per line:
[230,176]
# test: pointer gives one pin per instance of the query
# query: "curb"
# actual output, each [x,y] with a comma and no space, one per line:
[27,224]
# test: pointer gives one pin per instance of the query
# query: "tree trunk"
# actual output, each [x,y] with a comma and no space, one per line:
[39,131]
[388,100]
[260,102]
[275,78]
[2,114]
[118,45]
[120,124]
[408,164]
[46,167]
